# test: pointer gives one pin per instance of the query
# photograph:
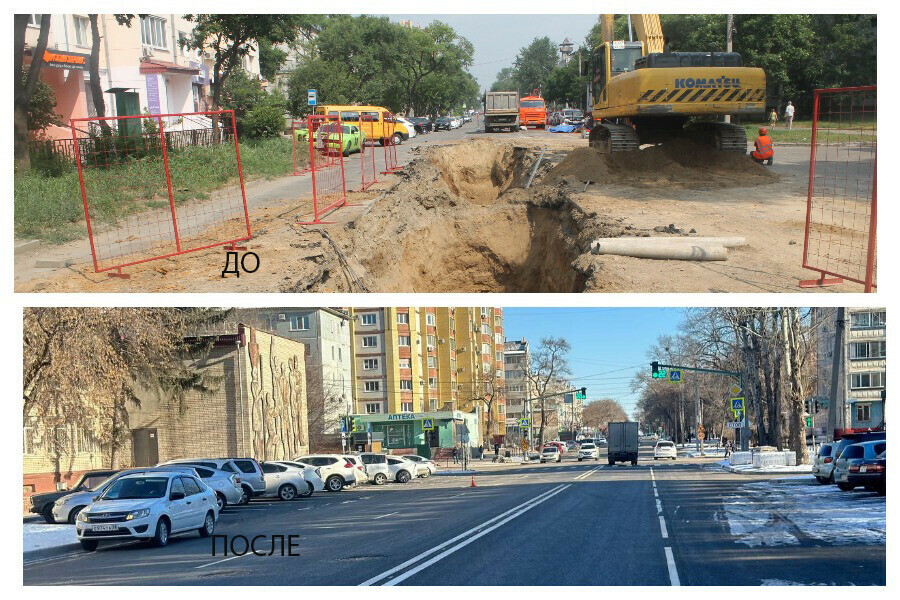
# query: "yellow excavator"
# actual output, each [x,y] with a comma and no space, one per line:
[643,94]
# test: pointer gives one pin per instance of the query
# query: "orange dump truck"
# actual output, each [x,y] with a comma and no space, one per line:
[532,110]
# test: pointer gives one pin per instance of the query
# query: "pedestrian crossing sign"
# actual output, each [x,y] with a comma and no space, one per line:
[428,424]
[737,404]
[524,422]
[675,376]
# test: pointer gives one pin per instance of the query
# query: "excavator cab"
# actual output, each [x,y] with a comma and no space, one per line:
[611,59]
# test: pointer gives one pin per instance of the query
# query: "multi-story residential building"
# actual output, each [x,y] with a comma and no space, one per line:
[861,395]
[570,416]
[329,357]
[146,67]
[517,362]
[481,370]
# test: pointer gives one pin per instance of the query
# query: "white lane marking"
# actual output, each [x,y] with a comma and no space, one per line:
[387,515]
[655,493]
[658,507]
[223,560]
[662,527]
[588,473]
[458,537]
[307,508]
[466,542]
[673,571]
[652,475]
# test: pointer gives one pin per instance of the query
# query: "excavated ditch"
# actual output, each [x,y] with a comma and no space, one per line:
[460,220]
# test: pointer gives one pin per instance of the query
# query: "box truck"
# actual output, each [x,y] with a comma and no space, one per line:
[622,438]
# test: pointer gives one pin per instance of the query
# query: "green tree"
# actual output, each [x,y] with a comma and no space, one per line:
[41,111]
[506,80]
[534,64]
[258,113]
[23,89]
[271,59]
[566,86]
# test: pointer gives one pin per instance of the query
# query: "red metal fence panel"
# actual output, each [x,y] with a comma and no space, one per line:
[326,161]
[299,145]
[139,178]
[369,175]
[389,142]
[841,207]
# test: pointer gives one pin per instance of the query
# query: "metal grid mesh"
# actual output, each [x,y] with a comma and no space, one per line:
[390,147]
[141,181]
[368,175]
[841,203]
[326,159]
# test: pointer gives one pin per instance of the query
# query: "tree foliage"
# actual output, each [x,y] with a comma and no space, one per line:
[41,106]
[258,113]
[549,366]
[599,413]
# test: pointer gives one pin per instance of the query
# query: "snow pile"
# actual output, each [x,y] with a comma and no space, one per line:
[741,458]
[773,459]
[706,452]
[780,512]
[39,536]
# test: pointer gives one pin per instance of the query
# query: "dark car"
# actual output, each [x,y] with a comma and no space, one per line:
[870,473]
[442,123]
[837,447]
[423,124]
[851,460]
[42,504]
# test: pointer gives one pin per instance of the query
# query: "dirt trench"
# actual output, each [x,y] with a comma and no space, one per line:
[461,220]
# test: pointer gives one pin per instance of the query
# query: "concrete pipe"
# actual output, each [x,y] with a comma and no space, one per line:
[674,251]
[727,242]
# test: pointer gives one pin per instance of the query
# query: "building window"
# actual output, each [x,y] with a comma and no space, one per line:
[862,381]
[452,345]
[299,323]
[452,323]
[499,357]
[861,350]
[403,363]
[432,362]
[184,41]
[486,368]
[369,318]
[372,386]
[863,412]
[373,408]
[486,349]
[403,318]
[82,28]
[432,382]
[403,340]
[406,407]
[484,312]
[431,341]
[865,320]
[370,341]
[153,32]
[370,364]
[485,329]
[429,319]
[406,384]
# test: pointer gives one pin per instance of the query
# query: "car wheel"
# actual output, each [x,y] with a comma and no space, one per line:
[634,463]
[380,479]
[426,474]
[845,487]
[822,480]
[403,477]
[161,537]
[221,502]
[209,525]
[579,459]
[334,483]
[287,492]
[398,139]
[89,545]
[73,514]
[655,458]
[246,494]
[309,491]
[47,513]
[611,462]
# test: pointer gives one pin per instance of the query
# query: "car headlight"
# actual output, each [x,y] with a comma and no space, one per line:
[83,516]
[138,514]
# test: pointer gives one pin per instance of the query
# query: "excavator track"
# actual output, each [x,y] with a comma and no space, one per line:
[722,136]
[614,138]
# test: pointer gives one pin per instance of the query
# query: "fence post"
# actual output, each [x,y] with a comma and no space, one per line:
[237,152]
[87,213]
[162,140]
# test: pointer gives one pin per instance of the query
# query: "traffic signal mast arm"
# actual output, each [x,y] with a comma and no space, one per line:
[582,391]
[736,374]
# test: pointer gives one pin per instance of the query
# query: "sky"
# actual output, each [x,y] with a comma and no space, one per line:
[609,345]
[498,38]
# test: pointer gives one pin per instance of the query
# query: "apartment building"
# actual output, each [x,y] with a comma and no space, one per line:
[861,395]
[143,68]
[516,361]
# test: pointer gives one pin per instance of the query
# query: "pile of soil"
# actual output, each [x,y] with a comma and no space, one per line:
[679,163]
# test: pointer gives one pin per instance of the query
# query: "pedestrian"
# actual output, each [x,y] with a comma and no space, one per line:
[764,152]
[455,455]
[481,452]
[789,114]
[773,118]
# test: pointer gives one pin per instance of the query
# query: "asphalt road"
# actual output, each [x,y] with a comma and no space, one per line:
[566,523]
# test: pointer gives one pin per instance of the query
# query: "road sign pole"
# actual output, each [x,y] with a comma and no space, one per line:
[697,417]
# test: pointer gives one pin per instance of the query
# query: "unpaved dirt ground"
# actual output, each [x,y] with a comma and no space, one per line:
[459,219]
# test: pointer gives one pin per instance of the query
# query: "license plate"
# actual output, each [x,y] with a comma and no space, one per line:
[104,527]
[862,469]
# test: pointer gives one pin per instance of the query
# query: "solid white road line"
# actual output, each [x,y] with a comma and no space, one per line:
[662,527]
[587,473]
[521,507]
[387,515]
[658,507]
[673,571]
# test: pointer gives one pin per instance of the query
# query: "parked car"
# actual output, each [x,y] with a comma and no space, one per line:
[551,453]
[249,473]
[572,116]
[401,470]
[360,467]
[664,449]
[442,123]
[423,124]
[283,483]
[312,475]
[849,439]
[852,457]
[588,451]
[42,503]
[600,441]
[559,445]
[410,126]
[871,474]
[823,464]
[337,471]
[66,509]
[570,445]
[347,139]
[457,122]
[376,467]
[225,484]
[152,507]
[426,467]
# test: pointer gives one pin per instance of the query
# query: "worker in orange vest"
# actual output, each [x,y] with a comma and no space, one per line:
[764,152]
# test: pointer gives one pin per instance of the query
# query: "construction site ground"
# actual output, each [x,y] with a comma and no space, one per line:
[460,219]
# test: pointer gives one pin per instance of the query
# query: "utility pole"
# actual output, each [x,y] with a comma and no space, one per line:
[728,40]
[698,417]
[836,364]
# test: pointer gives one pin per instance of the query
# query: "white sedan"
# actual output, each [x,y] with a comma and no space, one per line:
[588,451]
[664,449]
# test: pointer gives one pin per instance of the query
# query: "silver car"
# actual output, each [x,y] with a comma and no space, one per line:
[312,475]
[66,509]
[401,470]
[376,464]
[426,466]
[282,482]
[337,471]
[249,473]
[823,464]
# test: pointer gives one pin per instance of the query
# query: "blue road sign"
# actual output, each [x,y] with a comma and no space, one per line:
[311,97]
[524,422]
[737,404]
[368,428]
[427,423]
[343,425]
[675,376]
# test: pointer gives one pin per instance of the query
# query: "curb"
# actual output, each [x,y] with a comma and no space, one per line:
[452,473]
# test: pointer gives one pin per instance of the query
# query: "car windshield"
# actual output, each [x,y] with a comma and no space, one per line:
[549,450]
[664,445]
[532,104]
[587,446]
[136,488]
[825,450]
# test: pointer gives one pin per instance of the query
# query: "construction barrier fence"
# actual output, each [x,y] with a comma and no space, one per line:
[300,146]
[326,164]
[389,141]
[841,213]
[368,176]
[141,180]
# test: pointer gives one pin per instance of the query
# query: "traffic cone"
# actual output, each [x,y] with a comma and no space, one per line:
[473,481]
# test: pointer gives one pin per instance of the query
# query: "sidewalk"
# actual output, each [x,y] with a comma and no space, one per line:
[42,540]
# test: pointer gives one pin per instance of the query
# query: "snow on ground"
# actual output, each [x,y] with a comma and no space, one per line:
[784,511]
[38,536]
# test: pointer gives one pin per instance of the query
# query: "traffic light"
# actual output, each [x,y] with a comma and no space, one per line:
[581,394]
[654,366]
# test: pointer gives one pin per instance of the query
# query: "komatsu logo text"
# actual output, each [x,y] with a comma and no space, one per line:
[701,82]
